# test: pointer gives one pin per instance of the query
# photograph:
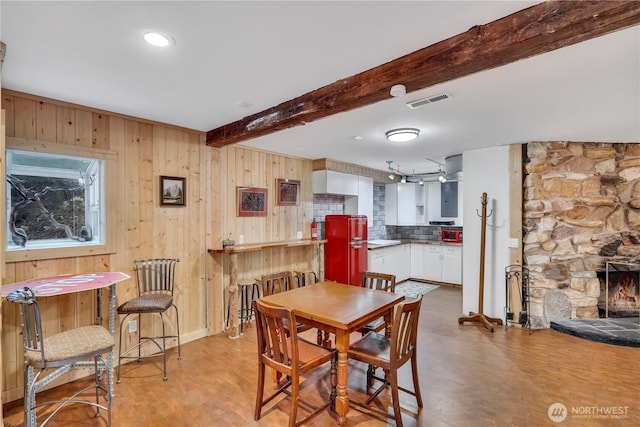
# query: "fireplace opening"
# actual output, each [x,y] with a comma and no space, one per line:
[619,290]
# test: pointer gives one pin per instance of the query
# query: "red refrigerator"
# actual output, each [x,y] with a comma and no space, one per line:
[346,248]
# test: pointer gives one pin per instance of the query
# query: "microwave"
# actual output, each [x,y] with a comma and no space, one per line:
[452,236]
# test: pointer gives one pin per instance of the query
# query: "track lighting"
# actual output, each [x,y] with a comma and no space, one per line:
[404,179]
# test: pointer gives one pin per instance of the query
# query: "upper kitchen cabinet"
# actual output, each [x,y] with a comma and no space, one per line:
[331,182]
[400,204]
[363,203]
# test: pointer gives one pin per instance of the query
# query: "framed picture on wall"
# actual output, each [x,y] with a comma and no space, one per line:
[288,192]
[173,190]
[252,201]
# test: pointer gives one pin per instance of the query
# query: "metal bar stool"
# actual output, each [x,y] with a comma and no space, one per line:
[305,278]
[48,358]
[245,312]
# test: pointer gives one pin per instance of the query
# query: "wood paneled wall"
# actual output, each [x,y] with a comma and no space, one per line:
[244,167]
[139,226]
[140,152]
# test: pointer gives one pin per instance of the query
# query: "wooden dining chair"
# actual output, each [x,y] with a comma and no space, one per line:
[283,351]
[274,283]
[390,354]
[307,278]
[380,282]
[280,282]
[46,359]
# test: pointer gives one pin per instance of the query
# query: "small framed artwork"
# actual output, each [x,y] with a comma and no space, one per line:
[252,201]
[288,192]
[173,190]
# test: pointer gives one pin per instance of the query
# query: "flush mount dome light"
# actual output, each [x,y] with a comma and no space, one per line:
[402,134]
[157,39]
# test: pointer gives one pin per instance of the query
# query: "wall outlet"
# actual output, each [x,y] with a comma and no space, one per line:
[133,326]
[241,239]
[513,243]
[299,235]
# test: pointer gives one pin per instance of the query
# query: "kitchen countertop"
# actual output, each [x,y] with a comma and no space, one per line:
[377,244]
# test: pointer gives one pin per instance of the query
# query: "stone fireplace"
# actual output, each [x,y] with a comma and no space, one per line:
[581,209]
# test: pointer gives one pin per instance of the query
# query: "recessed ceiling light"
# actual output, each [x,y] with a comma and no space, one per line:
[244,104]
[402,134]
[157,39]
[357,138]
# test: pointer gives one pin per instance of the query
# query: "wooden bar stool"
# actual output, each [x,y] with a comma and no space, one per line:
[249,290]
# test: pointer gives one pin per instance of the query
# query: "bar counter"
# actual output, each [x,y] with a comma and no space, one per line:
[233,251]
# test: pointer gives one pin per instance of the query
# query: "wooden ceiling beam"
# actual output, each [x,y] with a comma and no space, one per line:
[529,32]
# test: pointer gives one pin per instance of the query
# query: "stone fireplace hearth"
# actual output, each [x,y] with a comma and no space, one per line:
[581,209]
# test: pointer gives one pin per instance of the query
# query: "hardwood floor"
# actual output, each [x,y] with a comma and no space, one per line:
[468,376]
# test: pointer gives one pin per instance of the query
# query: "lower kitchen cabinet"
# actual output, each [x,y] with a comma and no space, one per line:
[394,260]
[440,263]
[452,264]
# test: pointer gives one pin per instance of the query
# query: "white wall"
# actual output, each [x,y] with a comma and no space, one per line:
[485,170]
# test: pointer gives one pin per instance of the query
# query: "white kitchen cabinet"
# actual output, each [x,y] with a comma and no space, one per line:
[417,260]
[432,262]
[400,204]
[394,260]
[362,204]
[452,264]
[331,182]
[376,260]
[440,263]
[401,262]
[421,205]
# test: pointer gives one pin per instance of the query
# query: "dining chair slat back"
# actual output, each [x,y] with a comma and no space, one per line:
[390,353]
[276,282]
[380,282]
[283,351]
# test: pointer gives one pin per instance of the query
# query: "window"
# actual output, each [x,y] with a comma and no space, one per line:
[54,201]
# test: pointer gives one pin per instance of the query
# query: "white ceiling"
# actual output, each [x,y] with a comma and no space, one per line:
[267,52]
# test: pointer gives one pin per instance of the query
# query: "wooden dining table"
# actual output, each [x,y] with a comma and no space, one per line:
[339,309]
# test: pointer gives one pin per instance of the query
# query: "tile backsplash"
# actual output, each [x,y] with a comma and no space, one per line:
[326,204]
[332,204]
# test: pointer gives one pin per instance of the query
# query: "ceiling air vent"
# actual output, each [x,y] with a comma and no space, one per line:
[428,100]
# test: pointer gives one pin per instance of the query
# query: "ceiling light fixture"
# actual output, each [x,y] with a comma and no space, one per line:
[441,177]
[421,182]
[402,134]
[398,90]
[157,39]
[404,179]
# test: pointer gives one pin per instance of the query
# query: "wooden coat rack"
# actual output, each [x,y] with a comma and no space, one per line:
[479,317]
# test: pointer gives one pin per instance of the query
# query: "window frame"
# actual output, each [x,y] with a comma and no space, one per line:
[107,246]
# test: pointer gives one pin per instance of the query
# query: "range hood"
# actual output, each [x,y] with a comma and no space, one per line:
[453,167]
